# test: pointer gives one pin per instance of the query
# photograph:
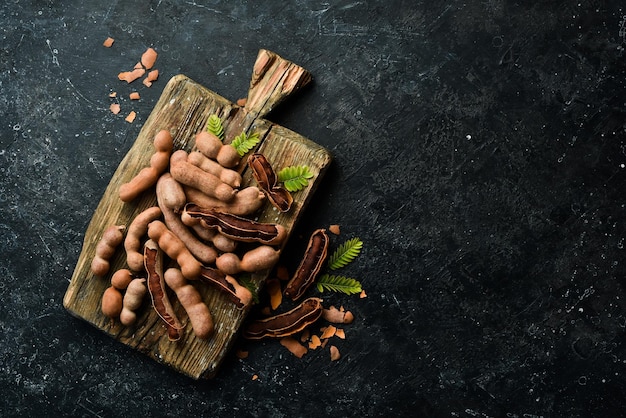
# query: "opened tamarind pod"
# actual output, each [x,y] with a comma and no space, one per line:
[153,260]
[310,266]
[206,234]
[285,324]
[237,227]
[265,176]
[238,294]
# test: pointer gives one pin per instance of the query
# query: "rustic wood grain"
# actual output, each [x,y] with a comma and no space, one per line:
[184,108]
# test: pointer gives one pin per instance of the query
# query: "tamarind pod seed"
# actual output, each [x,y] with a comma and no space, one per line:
[265,176]
[153,260]
[238,294]
[285,324]
[310,266]
[237,227]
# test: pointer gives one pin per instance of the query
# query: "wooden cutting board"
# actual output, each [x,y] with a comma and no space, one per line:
[184,108]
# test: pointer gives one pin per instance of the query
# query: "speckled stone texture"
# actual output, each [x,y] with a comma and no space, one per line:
[479,153]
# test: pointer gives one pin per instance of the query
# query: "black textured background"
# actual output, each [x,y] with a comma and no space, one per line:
[479,154]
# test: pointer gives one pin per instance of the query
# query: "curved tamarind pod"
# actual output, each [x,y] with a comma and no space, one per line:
[148,176]
[170,195]
[153,259]
[133,299]
[105,249]
[137,229]
[187,173]
[208,144]
[175,249]
[265,176]
[197,311]
[310,266]
[238,294]
[285,324]
[228,156]
[227,175]
[246,201]
[257,259]
[219,241]
[237,227]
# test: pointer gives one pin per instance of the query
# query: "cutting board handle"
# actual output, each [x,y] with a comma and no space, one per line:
[273,79]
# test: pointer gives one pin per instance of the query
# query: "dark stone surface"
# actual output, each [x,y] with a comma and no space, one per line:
[479,154]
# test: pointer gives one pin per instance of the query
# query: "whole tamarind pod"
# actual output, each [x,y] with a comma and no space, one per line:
[121,279]
[310,266]
[228,176]
[111,302]
[246,201]
[208,144]
[187,173]
[136,230]
[191,300]
[175,249]
[258,259]
[228,156]
[171,195]
[105,249]
[135,292]
[148,176]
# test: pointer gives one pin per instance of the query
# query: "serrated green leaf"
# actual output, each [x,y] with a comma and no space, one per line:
[244,143]
[295,178]
[214,125]
[346,252]
[340,284]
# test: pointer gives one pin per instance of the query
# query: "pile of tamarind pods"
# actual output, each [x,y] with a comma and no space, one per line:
[201,231]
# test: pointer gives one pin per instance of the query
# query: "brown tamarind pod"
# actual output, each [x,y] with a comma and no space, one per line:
[285,324]
[310,266]
[238,294]
[267,180]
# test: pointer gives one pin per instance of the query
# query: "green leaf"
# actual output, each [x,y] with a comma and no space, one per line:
[214,126]
[340,284]
[246,281]
[244,143]
[295,177]
[345,253]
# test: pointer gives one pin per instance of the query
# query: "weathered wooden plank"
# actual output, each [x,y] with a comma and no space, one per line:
[184,108]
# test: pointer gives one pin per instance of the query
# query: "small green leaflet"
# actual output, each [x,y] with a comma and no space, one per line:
[345,253]
[244,143]
[214,126]
[341,284]
[246,281]
[295,177]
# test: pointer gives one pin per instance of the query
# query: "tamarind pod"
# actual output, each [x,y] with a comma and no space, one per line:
[148,176]
[228,156]
[237,227]
[257,259]
[153,260]
[121,279]
[285,324]
[133,299]
[208,144]
[310,266]
[111,302]
[111,238]
[136,230]
[187,173]
[238,294]
[246,201]
[228,176]
[191,300]
[175,249]
[169,192]
[265,176]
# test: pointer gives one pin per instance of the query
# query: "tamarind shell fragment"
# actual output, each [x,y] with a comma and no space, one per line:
[285,324]
[310,266]
[265,176]
[236,227]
